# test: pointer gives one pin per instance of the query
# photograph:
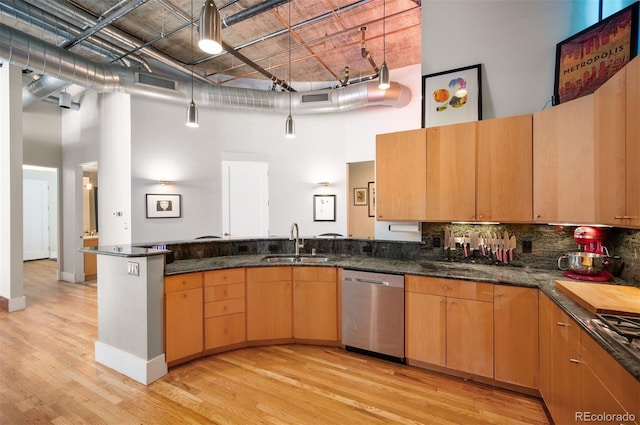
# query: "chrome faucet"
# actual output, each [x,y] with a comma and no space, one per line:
[298,245]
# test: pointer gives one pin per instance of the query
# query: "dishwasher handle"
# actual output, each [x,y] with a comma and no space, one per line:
[363,280]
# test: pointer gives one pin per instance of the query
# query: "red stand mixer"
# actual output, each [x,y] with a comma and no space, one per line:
[590,263]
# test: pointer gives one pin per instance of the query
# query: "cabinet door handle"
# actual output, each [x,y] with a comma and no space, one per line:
[576,361]
[562,324]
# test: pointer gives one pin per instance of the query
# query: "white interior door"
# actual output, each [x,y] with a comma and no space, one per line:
[35,219]
[245,194]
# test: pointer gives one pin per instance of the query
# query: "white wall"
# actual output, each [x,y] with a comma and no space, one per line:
[515,41]
[42,135]
[163,148]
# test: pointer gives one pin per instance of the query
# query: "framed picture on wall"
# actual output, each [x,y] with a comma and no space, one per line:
[451,97]
[586,60]
[360,196]
[371,188]
[324,207]
[164,205]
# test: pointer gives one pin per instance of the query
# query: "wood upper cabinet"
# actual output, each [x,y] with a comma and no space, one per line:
[451,172]
[504,177]
[563,163]
[632,170]
[183,317]
[610,165]
[516,335]
[269,303]
[315,304]
[401,175]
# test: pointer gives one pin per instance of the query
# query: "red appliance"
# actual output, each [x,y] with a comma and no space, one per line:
[590,239]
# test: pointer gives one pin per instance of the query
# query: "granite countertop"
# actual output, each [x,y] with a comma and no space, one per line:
[499,274]
[124,250]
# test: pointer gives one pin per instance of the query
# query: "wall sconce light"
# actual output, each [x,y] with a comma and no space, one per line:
[88,186]
[324,184]
[165,182]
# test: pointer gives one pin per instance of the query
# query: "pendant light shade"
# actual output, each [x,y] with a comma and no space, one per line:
[384,77]
[210,39]
[289,128]
[192,115]
[384,82]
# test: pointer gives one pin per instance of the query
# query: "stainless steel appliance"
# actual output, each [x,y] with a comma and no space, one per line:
[623,329]
[373,314]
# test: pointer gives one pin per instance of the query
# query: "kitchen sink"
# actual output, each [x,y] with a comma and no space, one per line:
[295,259]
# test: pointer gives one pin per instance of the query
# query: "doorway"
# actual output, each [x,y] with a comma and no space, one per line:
[245,199]
[360,214]
[40,212]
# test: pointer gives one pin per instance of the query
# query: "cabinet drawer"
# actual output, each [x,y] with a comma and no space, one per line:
[428,285]
[449,288]
[223,277]
[314,274]
[223,292]
[224,330]
[220,308]
[268,274]
[182,282]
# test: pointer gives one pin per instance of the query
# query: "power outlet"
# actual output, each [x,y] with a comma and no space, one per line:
[133,268]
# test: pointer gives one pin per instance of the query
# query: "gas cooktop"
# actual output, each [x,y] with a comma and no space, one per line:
[625,330]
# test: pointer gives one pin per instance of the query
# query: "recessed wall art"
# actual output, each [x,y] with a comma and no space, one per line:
[451,97]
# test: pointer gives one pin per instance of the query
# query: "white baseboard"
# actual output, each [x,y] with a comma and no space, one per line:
[15,304]
[143,371]
[67,276]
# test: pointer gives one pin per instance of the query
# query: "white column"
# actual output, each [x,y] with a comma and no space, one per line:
[11,250]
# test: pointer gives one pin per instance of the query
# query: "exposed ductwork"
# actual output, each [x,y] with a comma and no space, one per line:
[29,52]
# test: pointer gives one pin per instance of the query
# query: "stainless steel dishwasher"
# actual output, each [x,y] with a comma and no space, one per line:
[373,314]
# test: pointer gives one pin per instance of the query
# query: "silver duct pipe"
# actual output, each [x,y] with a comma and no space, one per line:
[29,52]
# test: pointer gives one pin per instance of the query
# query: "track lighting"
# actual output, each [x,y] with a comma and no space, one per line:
[210,39]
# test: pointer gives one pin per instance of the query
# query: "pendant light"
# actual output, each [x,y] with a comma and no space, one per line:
[192,109]
[210,39]
[384,83]
[289,126]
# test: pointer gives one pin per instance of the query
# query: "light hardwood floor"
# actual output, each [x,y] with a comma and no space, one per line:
[48,375]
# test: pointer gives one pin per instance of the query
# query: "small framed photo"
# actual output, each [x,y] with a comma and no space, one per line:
[371,187]
[164,205]
[360,196]
[324,207]
[451,97]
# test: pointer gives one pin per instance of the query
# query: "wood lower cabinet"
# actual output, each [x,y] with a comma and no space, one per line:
[315,304]
[90,260]
[401,182]
[457,327]
[577,376]
[269,304]
[183,305]
[515,327]
[224,308]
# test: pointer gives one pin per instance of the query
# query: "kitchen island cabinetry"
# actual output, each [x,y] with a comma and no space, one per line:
[563,163]
[224,308]
[504,170]
[516,335]
[401,182]
[451,172]
[183,317]
[315,304]
[269,304]
[462,327]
